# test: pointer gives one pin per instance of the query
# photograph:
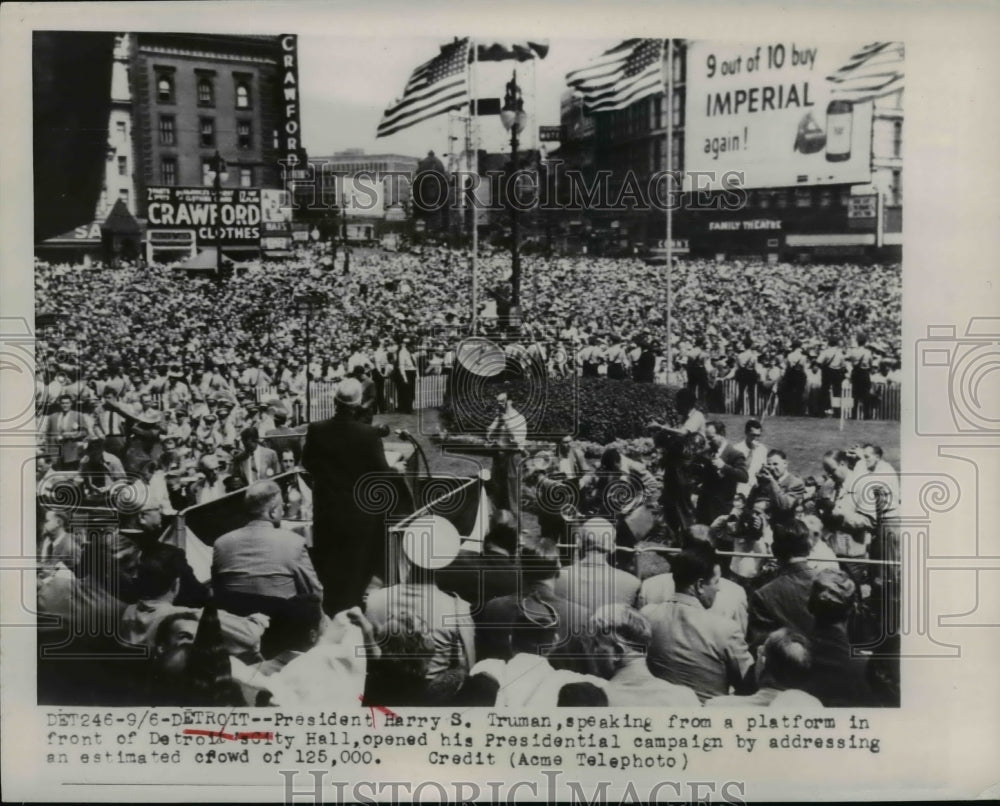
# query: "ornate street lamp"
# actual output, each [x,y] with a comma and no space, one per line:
[218,174]
[514,119]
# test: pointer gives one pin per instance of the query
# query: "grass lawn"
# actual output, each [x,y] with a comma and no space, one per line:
[804,439]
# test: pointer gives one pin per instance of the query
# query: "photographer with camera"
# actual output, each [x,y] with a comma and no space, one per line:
[748,528]
[852,528]
[779,487]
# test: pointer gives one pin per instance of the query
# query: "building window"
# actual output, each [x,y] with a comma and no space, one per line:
[206,93]
[122,128]
[164,88]
[764,200]
[657,154]
[781,199]
[167,130]
[803,197]
[207,133]
[123,166]
[677,108]
[123,195]
[678,65]
[677,156]
[897,138]
[246,177]
[208,172]
[168,171]
[825,198]
[244,135]
[242,94]
[896,189]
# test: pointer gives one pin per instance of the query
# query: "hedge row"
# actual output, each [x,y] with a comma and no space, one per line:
[594,409]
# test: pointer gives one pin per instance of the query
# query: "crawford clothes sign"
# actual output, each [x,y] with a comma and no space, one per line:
[767,111]
[231,217]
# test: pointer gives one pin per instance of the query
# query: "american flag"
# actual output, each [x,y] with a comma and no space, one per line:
[620,76]
[437,86]
[873,72]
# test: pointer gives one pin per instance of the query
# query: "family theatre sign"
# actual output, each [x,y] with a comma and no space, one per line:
[229,217]
[289,128]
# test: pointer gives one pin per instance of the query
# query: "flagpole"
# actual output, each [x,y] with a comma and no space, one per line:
[670,214]
[473,147]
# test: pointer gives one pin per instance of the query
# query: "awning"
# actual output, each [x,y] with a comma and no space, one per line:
[120,221]
[83,235]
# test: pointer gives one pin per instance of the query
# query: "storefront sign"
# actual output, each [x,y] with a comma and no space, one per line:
[229,217]
[748,225]
[862,206]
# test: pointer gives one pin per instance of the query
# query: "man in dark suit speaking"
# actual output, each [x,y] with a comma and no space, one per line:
[726,469]
[348,541]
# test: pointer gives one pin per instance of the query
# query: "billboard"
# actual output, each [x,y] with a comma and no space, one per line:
[229,217]
[767,111]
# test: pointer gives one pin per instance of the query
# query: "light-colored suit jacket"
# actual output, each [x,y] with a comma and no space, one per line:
[696,648]
[262,560]
[593,583]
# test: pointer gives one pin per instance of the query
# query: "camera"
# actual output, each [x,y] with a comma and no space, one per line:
[957,379]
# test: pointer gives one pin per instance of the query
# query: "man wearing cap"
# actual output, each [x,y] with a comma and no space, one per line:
[430,544]
[349,544]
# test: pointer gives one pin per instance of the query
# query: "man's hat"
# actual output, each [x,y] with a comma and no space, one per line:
[831,586]
[349,392]
[150,420]
[431,542]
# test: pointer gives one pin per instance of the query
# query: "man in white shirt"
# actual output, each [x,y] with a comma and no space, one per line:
[755,451]
[406,375]
[509,432]
[58,545]
[256,462]
[874,469]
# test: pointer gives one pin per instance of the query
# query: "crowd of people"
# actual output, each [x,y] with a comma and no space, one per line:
[785,334]
[730,582]
[149,401]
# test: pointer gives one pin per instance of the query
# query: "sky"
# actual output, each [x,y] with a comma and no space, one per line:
[346,83]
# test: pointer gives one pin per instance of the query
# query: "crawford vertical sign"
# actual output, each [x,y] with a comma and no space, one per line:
[289,128]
